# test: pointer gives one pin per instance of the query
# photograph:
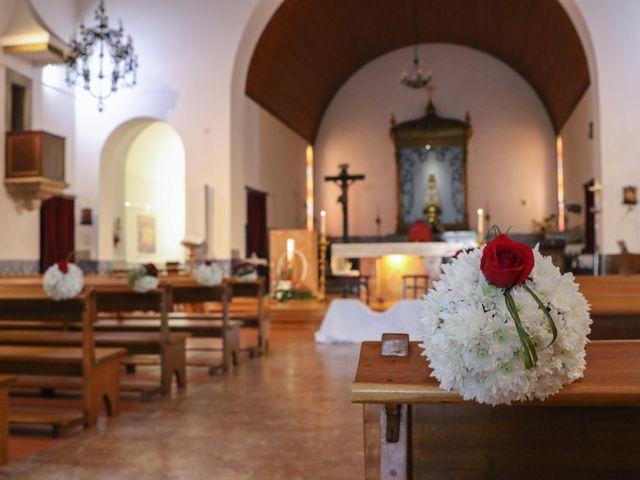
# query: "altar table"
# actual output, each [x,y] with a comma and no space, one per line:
[414,430]
[395,259]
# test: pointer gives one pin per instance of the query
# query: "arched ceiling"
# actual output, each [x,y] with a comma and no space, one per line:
[311,47]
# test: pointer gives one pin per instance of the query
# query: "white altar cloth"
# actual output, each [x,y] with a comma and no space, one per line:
[373,250]
[351,321]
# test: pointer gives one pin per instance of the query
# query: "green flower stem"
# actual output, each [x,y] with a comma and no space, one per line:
[554,329]
[529,354]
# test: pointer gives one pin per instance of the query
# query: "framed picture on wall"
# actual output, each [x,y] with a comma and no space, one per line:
[146,234]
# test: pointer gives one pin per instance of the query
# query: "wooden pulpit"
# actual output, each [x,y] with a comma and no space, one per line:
[415,430]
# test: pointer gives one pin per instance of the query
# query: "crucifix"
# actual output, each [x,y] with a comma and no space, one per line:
[344,180]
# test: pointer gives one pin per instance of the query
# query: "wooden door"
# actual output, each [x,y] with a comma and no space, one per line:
[589,217]
[256,228]
[57,230]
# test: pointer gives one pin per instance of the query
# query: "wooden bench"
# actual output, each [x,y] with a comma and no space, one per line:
[5,381]
[258,319]
[615,305]
[116,297]
[187,291]
[98,367]
[413,429]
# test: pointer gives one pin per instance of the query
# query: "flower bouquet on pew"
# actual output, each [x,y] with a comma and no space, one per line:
[245,272]
[63,280]
[143,278]
[209,274]
[503,324]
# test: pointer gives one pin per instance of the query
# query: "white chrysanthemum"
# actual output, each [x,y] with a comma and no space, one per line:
[145,283]
[209,275]
[59,285]
[471,341]
[248,277]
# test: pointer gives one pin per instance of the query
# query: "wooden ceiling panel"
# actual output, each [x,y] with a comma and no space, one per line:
[311,47]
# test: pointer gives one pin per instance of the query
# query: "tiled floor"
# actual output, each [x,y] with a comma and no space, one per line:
[284,416]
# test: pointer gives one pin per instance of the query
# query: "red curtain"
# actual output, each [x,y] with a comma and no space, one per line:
[256,223]
[57,230]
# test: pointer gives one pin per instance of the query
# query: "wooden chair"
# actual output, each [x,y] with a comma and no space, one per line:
[356,282]
[5,381]
[97,367]
[413,283]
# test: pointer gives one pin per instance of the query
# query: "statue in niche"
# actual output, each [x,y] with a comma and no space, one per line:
[431,146]
[432,204]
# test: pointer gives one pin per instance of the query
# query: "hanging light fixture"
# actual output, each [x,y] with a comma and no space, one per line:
[101,58]
[416,78]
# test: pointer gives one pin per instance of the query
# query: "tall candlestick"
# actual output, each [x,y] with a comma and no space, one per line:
[480,226]
[309,188]
[291,247]
[323,223]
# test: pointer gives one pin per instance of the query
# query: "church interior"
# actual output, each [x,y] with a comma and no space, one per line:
[224,219]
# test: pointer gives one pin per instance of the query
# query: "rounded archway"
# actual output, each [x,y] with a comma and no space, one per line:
[142,193]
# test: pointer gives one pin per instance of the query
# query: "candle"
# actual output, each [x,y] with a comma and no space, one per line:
[480,226]
[291,247]
[323,223]
[310,188]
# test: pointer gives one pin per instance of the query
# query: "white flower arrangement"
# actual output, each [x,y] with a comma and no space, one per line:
[209,274]
[143,278]
[246,272]
[473,346]
[63,280]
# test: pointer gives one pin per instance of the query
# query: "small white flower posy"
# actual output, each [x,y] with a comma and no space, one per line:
[60,285]
[472,345]
[209,274]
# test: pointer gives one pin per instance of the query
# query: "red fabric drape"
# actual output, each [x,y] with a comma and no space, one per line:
[57,230]
[257,223]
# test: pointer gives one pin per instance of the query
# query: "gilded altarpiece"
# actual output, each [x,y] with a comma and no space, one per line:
[431,169]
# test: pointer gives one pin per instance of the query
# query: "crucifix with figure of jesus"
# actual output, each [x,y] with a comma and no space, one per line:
[344,180]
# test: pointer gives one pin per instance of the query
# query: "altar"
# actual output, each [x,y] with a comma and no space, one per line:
[388,262]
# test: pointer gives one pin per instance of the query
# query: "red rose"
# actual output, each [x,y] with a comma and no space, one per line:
[505,262]
[152,271]
[63,266]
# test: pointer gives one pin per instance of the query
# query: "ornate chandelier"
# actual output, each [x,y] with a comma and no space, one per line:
[416,78]
[101,58]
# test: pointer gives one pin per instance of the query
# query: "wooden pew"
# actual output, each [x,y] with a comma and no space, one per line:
[258,319]
[615,305]
[5,381]
[187,291]
[98,367]
[116,297]
[412,429]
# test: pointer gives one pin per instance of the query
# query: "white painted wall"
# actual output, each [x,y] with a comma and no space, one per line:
[186,60]
[613,26]
[580,162]
[275,163]
[154,178]
[511,157]
[53,111]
